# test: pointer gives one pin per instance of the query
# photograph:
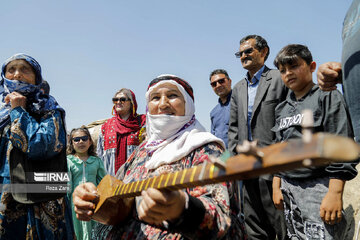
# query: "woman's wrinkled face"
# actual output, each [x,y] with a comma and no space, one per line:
[20,70]
[166,99]
[122,104]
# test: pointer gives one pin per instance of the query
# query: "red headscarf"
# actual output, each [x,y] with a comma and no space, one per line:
[119,133]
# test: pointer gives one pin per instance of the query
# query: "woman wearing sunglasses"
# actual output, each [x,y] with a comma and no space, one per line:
[32,140]
[84,166]
[120,135]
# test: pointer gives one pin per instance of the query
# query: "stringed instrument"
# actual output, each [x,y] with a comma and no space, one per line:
[116,198]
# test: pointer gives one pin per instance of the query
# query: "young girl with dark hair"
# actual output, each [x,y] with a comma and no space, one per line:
[83,166]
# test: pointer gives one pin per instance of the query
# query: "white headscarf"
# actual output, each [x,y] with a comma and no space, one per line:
[171,138]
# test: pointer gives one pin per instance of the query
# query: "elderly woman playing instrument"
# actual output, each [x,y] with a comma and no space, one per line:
[119,135]
[176,140]
[33,139]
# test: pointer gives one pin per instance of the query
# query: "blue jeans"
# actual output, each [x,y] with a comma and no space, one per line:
[351,64]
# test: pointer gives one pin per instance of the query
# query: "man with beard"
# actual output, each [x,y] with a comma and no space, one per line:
[252,109]
[221,84]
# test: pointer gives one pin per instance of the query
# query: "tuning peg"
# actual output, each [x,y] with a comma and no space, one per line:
[307,125]
[249,148]
[217,162]
[307,162]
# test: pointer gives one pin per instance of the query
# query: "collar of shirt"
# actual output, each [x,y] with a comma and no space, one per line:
[256,76]
[227,100]
[291,97]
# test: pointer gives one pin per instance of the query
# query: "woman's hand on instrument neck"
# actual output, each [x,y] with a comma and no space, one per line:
[158,206]
[16,100]
[84,197]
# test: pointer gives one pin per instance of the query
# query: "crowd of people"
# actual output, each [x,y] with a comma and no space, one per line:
[302,203]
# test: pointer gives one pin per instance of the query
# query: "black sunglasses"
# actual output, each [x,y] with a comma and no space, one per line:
[122,99]
[83,138]
[247,51]
[220,81]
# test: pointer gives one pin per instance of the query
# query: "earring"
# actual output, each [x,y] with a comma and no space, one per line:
[113,111]
[133,108]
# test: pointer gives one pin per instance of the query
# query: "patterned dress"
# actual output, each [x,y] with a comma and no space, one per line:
[218,218]
[42,220]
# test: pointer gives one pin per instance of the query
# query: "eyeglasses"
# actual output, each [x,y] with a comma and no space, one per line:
[83,138]
[220,81]
[122,99]
[247,51]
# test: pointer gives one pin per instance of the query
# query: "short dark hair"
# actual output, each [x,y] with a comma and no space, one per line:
[291,53]
[260,43]
[219,71]
[70,147]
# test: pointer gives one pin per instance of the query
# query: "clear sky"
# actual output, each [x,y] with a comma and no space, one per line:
[90,49]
